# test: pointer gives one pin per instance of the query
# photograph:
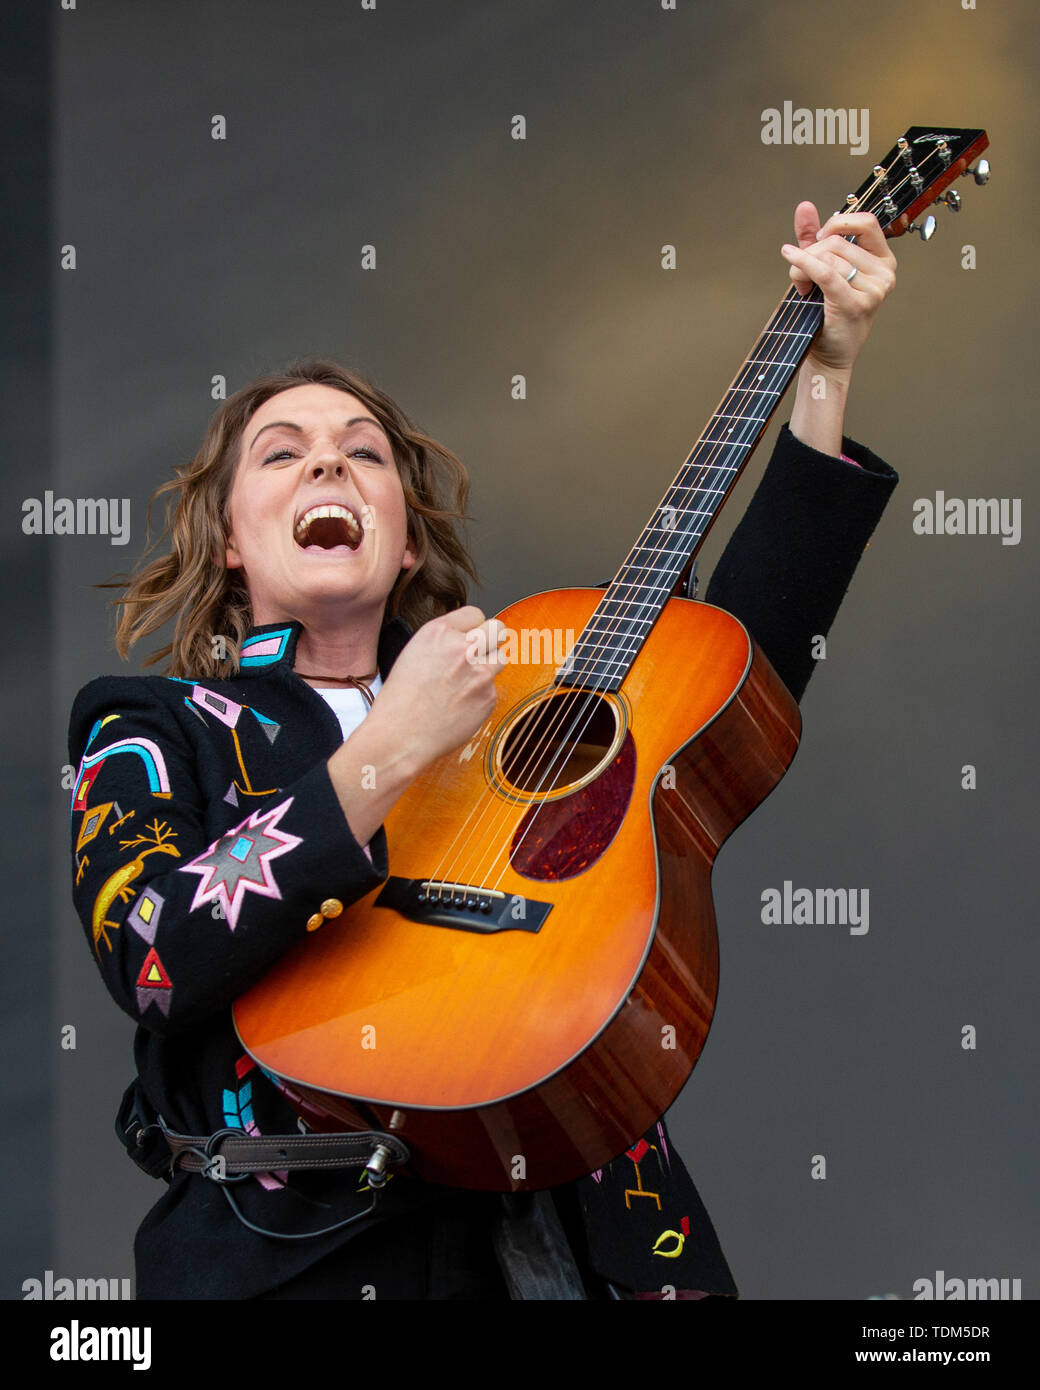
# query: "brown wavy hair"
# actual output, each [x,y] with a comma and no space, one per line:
[192,585]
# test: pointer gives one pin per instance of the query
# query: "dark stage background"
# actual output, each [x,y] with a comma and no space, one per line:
[345,127]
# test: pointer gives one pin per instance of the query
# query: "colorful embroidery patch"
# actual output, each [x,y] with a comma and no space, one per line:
[240,862]
[84,782]
[269,726]
[669,1244]
[93,819]
[238,1114]
[96,728]
[155,839]
[154,986]
[143,748]
[227,711]
[144,915]
[637,1153]
[265,649]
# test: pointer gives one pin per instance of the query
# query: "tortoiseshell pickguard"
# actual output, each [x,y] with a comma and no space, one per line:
[558,839]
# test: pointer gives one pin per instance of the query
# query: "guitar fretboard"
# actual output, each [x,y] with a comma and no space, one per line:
[610,642]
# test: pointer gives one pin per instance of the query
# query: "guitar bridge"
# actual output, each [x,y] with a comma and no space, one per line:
[462,906]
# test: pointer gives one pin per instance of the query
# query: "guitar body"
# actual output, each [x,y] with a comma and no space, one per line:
[559,1002]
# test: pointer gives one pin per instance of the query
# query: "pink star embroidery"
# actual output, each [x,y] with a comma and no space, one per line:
[240,862]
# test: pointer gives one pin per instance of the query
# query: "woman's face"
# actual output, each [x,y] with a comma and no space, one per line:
[306,448]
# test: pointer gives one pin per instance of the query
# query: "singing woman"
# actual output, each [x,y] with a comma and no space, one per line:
[321,658]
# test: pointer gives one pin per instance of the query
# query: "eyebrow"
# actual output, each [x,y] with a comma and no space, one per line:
[289,425]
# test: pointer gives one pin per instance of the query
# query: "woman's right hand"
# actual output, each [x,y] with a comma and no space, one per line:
[441,688]
[439,692]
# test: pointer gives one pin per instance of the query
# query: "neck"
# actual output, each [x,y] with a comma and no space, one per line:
[330,649]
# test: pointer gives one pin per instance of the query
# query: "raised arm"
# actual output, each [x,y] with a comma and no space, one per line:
[789,563]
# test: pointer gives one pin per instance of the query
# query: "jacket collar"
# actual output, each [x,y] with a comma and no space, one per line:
[271,648]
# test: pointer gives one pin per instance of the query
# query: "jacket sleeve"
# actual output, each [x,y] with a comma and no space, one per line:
[182,922]
[791,559]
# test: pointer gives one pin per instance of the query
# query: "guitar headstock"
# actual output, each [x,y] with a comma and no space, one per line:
[917,169]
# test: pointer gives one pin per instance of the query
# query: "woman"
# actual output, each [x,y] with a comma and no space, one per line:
[223,811]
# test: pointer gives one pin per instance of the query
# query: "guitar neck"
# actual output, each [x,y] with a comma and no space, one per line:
[916,170]
[612,639]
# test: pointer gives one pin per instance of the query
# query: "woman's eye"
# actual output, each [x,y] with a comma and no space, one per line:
[288,454]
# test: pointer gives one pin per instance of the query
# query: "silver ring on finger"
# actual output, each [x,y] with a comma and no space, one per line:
[852,275]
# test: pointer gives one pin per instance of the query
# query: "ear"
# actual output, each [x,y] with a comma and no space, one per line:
[232,559]
[409,558]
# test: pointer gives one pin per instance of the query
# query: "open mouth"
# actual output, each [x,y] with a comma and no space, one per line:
[328,526]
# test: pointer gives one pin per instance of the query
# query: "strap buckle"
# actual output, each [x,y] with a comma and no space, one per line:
[214,1166]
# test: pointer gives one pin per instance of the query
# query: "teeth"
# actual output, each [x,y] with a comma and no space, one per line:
[327,509]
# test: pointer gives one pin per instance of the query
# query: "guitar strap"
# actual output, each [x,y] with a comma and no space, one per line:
[533,1253]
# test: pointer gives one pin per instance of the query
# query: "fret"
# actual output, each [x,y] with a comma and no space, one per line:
[663,571]
[602,615]
[627,607]
[736,434]
[615,631]
[788,332]
[666,583]
[699,512]
[692,462]
[685,487]
[605,662]
[654,550]
[797,328]
[676,559]
[597,676]
[639,583]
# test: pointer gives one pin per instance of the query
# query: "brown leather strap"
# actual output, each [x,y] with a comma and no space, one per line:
[243,1153]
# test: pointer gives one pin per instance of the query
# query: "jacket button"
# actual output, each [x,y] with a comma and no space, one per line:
[313,923]
[331,907]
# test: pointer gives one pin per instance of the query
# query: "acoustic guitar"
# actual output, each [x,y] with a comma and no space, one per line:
[531,987]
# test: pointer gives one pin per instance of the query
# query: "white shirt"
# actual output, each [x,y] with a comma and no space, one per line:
[348,704]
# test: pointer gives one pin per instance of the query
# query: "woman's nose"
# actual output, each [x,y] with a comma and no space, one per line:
[331,463]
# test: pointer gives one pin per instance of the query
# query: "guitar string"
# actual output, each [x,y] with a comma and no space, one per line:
[779,324]
[792,300]
[788,319]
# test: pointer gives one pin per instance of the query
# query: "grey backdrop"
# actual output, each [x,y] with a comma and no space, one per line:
[391,126]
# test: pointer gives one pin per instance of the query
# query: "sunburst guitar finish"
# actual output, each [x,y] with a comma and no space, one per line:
[542,1005]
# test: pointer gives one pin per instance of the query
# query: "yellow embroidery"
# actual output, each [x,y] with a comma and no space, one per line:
[118,885]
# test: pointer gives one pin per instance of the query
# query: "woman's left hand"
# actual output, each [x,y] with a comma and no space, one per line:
[855,279]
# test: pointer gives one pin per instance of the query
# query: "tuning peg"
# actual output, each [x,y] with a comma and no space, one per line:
[951,199]
[926,228]
[980,173]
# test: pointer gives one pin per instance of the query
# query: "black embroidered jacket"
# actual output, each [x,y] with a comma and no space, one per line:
[206,832]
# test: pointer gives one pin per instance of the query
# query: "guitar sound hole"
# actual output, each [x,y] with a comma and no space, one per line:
[560,743]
